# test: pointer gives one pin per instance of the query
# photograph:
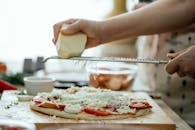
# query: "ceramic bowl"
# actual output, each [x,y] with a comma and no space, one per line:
[35,85]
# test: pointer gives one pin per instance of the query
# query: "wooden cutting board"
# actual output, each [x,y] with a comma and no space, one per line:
[157,119]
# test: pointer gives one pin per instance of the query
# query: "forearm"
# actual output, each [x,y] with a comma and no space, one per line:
[160,16]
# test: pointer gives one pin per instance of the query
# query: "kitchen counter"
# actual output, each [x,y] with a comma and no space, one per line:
[138,87]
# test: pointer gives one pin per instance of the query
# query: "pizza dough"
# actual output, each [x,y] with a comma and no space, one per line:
[85,116]
[90,104]
[70,45]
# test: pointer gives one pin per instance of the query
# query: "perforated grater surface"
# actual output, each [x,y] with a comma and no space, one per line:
[111,59]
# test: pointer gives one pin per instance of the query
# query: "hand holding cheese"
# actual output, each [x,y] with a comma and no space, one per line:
[70,45]
[93,30]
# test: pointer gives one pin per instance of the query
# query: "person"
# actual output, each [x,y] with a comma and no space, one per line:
[115,28]
[183,62]
[155,18]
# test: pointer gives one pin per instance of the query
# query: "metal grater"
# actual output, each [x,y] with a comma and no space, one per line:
[111,59]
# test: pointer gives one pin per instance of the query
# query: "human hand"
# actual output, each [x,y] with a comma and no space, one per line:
[139,5]
[183,62]
[92,29]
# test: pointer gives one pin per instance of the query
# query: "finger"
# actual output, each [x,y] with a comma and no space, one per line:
[56,28]
[70,21]
[91,43]
[181,74]
[71,29]
[190,73]
[139,5]
[172,67]
[173,55]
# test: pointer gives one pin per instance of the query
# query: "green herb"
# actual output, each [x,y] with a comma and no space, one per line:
[16,79]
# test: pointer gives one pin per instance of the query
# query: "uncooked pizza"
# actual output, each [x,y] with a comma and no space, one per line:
[90,103]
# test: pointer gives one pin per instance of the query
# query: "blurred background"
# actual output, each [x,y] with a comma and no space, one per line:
[26,26]
[26,33]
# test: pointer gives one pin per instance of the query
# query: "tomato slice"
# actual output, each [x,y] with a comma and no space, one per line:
[48,104]
[110,108]
[37,102]
[140,105]
[96,112]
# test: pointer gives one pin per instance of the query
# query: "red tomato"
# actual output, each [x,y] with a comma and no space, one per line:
[37,102]
[110,108]
[48,104]
[3,67]
[6,86]
[96,112]
[140,105]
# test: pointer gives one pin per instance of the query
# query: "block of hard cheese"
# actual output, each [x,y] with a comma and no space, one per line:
[70,45]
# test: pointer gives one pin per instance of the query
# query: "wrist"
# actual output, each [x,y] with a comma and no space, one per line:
[107,31]
[102,33]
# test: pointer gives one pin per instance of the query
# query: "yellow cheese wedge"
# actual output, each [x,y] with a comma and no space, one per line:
[70,45]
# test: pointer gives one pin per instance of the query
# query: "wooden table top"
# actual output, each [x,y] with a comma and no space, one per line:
[180,124]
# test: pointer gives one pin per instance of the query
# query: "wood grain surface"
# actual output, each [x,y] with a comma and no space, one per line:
[157,119]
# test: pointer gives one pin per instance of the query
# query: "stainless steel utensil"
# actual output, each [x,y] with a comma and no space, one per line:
[111,59]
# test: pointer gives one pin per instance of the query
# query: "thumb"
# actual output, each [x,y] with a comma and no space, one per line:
[173,55]
[71,29]
[172,67]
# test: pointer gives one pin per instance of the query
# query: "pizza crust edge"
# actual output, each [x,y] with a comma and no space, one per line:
[85,116]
